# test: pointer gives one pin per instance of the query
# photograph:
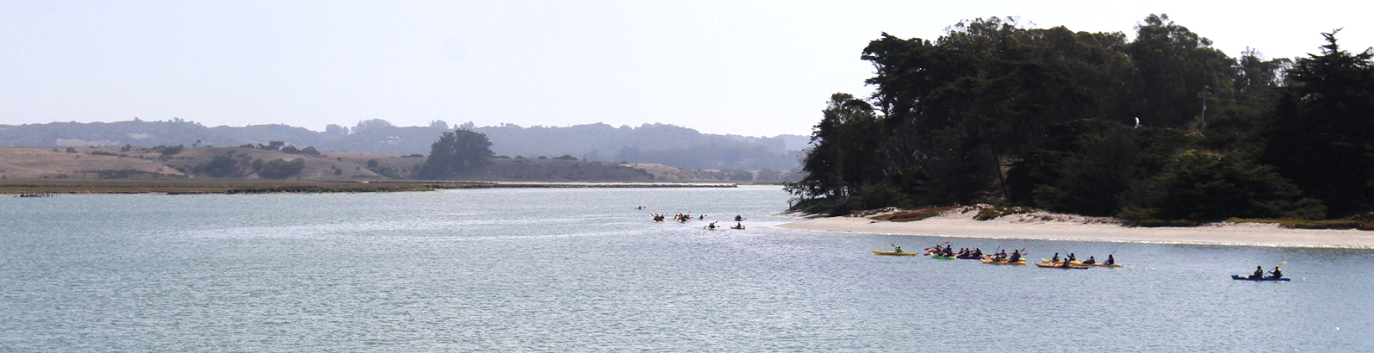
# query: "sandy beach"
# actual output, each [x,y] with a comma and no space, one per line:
[1047,226]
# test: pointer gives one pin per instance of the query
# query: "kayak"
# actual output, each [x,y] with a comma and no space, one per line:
[1247,278]
[1071,266]
[941,257]
[875,252]
[737,228]
[1020,263]
[1103,265]
[658,221]
[1073,263]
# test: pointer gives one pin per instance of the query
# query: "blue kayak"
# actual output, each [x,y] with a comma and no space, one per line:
[1247,278]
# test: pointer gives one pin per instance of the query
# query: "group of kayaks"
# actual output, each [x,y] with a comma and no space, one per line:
[1001,258]
[1016,260]
[1073,264]
[684,218]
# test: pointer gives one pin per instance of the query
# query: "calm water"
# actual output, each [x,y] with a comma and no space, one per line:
[582,270]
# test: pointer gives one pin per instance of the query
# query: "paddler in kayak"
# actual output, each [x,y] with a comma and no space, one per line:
[897,248]
[1072,258]
[1278,273]
[1091,260]
[739,218]
[1110,260]
[1015,256]
[1055,258]
[978,253]
[738,226]
[1259,272]
[711,226]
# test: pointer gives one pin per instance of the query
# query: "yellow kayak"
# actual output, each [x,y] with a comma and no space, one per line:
[1057,266]
[1103,265]
[1072,263]
[875,252]
[1021,262]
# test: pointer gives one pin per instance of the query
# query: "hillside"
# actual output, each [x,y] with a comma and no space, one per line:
[254,163]
[675,146]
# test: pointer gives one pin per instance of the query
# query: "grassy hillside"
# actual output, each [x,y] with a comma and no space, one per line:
[249,163]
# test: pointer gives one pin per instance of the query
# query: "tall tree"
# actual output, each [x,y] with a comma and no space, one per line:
[842,162]
[1322,137]
[1179,72]
[456,154]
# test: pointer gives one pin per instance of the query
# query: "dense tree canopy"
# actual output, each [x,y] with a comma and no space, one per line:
[455,154]
[1163,126]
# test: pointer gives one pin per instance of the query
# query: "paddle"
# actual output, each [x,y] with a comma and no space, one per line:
[1280,264]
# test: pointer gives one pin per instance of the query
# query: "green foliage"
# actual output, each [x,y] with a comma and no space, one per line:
[1322,136]
[71,150]
[988,214]
[103,153]
[281,169]
[1091,123]
[567,157]
[1207,187]
[455,154]
[221,166]
[168,150]
[272,145]
[1310,224]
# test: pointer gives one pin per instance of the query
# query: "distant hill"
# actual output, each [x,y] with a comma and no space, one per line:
[254,163]
[669,145]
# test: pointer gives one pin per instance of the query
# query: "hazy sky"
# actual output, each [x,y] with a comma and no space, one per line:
[738,67]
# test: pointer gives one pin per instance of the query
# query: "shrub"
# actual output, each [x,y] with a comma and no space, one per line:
[995,212]
[281,169]
[219,167]
[908,216]
[1156,223]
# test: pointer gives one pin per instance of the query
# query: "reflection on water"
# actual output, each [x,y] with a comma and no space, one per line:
[583,270]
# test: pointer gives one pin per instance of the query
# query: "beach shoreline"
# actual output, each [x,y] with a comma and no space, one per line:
[1058,227]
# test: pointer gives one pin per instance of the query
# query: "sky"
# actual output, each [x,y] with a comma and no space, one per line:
[754,68]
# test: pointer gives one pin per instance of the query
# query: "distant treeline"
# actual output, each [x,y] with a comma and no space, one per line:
[650,143]
[1160,127]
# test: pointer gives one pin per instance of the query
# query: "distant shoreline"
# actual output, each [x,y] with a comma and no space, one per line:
[1055,227]
[53,187]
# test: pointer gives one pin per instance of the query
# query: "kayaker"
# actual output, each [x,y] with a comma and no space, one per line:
[1072,258]
[1055,258]
[1278,273]
[1091,260]
[898,250]
[1259,272]
[1111,260]
[741,226]
[739,218]
[978,253]
[1016,256]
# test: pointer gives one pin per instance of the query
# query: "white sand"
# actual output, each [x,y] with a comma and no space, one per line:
[1045,226]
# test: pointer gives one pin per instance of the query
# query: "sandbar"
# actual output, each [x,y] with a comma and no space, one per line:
[1047,226]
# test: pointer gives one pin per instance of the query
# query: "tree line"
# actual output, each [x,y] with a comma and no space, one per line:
[1160,127]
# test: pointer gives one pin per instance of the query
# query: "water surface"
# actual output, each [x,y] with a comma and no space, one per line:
[584,270]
